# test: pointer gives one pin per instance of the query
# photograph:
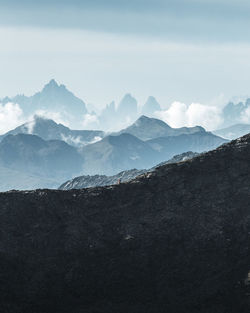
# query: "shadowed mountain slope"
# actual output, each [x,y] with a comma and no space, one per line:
[117,153]
[31,154]
[176,240]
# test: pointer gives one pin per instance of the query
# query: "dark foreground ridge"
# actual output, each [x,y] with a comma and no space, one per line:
[175,240]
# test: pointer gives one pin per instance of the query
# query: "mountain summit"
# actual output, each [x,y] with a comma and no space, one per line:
[53,99]
[147,128]
[151,106]
[48,129]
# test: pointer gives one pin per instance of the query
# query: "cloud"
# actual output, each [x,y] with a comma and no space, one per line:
[180,114]
[90,121]
[11,116]
[55,116]
[245,116]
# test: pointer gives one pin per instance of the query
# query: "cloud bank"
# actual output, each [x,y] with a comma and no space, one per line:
[11,116]
[180,114]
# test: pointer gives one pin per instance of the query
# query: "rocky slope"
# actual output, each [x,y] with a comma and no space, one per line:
[175,240]
[125,176]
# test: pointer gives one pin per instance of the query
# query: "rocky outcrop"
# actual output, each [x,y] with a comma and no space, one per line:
[174,240]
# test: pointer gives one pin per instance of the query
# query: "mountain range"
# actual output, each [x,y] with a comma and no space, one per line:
[52,160]
[53,99]
[52,153]
[47,129]
[146,128]
[175,240]
[56,101]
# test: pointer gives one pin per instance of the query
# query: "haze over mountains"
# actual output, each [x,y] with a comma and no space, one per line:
[48,153]
[48,129]
[52,153]
[56,102]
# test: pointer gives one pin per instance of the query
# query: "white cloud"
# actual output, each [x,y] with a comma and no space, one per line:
[11,116]
[245,116]
[90,121]
[180,114]
[55,116]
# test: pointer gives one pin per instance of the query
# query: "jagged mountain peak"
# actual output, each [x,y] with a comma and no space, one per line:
[145,120]
[127,106]
[53,83]
[54,87]
[151,106]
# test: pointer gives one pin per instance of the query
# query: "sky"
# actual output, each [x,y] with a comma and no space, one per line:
[190,51]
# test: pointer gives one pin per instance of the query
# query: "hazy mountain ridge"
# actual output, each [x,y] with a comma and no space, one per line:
[15,179]
[46,157]
[57,102]
[53,159]
[146,128]
[236,113]
[53,99]
[233,132]
[47,129]
[119,152]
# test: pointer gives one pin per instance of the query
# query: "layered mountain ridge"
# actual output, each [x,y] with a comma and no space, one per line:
[47,129]
[175,240]
[92,152]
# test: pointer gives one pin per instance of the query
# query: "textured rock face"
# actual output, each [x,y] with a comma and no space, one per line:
[175,240]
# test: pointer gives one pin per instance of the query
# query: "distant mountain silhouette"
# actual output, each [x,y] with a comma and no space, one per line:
[21,180]
[53,159]
[234,131]
[150,107]
[36,148]
[146,128]
[112,117]
[169,146]
[234,113]
[53,98]
[117,153]
[47,129]
[127,107]
[126,150]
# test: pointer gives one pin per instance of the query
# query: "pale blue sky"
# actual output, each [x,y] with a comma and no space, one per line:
[185,50]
